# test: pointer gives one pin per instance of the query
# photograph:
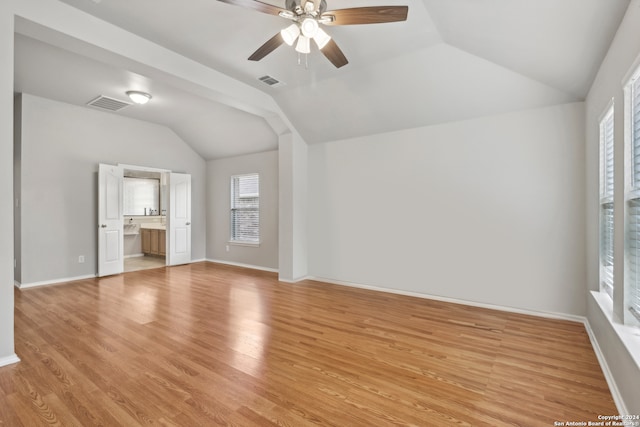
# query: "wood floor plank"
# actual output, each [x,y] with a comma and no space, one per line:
[208,344]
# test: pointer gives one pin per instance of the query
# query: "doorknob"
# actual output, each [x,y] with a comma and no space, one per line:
[103,225]
[187,223]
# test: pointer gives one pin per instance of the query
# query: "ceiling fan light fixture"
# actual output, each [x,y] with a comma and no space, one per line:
[309,27]
[303,45]
[321,38]
[290,34]
[138,97]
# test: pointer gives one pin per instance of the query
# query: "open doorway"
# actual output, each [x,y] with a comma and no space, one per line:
[145,219]
[161,232]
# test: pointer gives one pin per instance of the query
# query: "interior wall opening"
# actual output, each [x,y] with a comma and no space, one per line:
[145,219]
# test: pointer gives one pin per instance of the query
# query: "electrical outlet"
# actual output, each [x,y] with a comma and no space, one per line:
[81,259]
[227,248]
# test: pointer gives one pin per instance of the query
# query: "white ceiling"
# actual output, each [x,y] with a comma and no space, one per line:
[212,129]
[451,60]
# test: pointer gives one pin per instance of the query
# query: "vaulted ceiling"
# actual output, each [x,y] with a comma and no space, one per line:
[451,60]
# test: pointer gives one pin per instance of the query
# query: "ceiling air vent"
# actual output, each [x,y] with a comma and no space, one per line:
[106,103]
[271,81]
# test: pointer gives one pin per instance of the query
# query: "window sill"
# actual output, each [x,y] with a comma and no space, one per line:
[628,335]
[248,244]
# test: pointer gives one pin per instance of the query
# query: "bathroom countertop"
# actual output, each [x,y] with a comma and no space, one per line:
[153,226]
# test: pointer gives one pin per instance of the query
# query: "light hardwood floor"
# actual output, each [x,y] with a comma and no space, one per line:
[206,344]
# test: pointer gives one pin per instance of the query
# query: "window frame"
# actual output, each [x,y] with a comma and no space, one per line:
[632,193]
[233,240]
[606,192]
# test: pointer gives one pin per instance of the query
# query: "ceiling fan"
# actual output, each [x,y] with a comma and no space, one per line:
[307,15]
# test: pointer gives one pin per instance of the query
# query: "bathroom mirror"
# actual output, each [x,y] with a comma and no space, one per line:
[141,196]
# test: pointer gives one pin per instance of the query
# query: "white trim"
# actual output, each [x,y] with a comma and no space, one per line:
[73,279]
[633,71]
[9,360]
[244,243]
[608,376]
[53,282]
[627,334]
[607,110]
[142,168]
[239,264]
[545,314]
[615,392]
[299,279]
[133,256]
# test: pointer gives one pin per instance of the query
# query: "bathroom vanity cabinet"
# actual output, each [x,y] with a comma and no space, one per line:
[153,241]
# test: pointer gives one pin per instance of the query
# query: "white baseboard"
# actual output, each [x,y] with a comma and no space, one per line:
[300,279]
[133,255]
[53,282]
[239,264]
[615,392]
[617,397]
[545,314]
[9,360]
[608,376]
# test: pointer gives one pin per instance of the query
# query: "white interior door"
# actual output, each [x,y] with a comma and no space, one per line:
[179,223]
[110,221]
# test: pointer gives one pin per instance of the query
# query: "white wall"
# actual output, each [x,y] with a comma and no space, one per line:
[61,147]
[624,51]
[219,174]
[293,155]
[7,354]
[51,19]
[17,175]
[487,210]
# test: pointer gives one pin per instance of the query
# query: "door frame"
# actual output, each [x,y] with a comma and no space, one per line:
[164,173]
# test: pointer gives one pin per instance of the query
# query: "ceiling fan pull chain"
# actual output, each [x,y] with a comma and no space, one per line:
[306,60]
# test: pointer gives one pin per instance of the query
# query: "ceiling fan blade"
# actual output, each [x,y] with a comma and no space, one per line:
[256,5]
[366,15]
[334,54]
[267,48]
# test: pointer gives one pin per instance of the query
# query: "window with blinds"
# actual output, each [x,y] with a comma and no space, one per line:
[606,202]
[245,208]
[632,229]
[141,196]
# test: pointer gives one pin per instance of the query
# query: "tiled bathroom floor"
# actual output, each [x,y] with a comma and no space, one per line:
[143,263]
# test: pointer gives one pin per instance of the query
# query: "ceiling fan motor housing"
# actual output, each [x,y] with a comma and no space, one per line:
[296,6]
[307,15]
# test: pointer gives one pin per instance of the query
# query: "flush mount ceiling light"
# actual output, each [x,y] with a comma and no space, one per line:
[139,97]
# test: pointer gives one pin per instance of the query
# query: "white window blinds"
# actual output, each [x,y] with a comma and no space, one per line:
[632,232]
[245,208]
[606,202]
